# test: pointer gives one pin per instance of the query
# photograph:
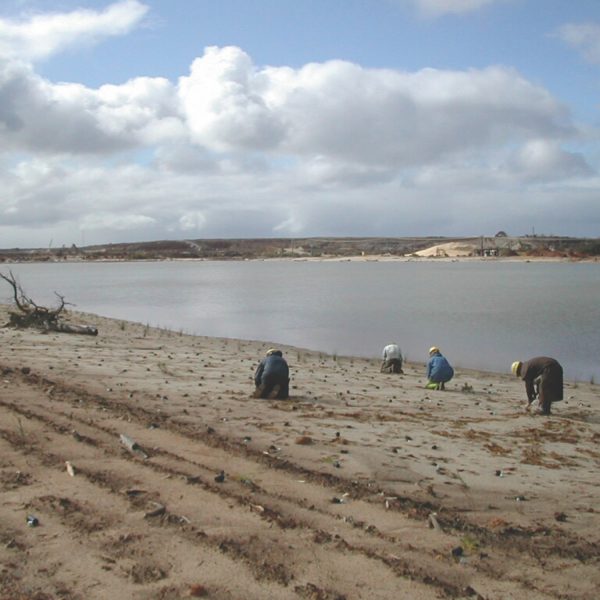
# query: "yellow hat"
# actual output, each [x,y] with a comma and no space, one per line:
[271,351]
[515,367]
[433,349]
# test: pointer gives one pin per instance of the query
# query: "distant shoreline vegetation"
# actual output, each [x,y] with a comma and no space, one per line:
[498,246]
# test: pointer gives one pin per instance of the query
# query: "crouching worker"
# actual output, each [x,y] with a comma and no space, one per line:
[392,359]
[272,377]
[439,370]
[543,377]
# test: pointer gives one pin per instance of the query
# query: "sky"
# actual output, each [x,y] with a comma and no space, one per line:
[140,120]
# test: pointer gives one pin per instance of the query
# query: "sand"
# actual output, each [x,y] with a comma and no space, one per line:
[362,485]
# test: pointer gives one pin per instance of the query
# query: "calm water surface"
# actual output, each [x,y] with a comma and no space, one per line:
[481,314]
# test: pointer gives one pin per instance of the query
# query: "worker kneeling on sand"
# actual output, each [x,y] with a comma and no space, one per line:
[272,377]
[392,359]
[543,377]
[439,370]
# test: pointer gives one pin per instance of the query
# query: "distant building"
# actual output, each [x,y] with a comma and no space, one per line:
[487,247]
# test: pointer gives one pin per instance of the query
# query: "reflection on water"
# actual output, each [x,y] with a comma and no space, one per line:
[481,314]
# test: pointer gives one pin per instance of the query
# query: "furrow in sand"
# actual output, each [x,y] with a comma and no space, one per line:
[279,513]
[109,538]
[288,558]
[545,541]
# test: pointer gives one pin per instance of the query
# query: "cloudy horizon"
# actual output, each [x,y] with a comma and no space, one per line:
[453,139]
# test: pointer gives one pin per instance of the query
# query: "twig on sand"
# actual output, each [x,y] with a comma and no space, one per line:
[433,522]
[132,445]
[157,511]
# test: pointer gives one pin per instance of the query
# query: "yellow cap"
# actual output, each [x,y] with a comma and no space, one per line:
[433,349]
[515,367]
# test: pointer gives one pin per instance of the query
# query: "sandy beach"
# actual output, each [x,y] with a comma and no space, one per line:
[152,472]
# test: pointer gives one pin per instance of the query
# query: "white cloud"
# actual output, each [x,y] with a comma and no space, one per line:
[185,159]
[362,116]
[233,149]
[366,119]
[437,8]
[322,172]
[224,102]
[121,222]
[192,221]
[290,226]
[545,160]
[39,116]
[584,37]
[42,35]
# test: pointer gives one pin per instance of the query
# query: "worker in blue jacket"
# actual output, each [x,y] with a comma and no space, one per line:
[272,376]
[439,370]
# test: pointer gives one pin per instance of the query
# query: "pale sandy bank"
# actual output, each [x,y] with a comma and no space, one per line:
[327,495]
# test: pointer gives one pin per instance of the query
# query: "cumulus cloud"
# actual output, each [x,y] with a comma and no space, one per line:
[224,101]
[396,118]
[585,37]
[39,116]
[368,120]
[42,35]
[227,104]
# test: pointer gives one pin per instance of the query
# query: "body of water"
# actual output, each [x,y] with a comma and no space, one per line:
[481,314]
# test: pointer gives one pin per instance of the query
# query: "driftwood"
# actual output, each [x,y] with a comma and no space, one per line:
[83,329]
[39,317]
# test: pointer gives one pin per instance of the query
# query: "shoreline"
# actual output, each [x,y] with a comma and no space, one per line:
[352,258]
[578,366]
[329,493]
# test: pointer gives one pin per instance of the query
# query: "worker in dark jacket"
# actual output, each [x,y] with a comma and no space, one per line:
[439,370]
[543,377]
[272,377]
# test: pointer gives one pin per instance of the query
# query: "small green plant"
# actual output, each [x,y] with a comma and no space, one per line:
[164,369]
[245,480]
[21,430]
[469,543]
